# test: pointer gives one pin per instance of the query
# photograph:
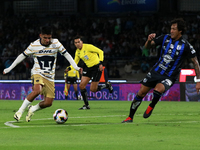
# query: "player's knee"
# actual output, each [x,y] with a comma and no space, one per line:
[81,87]
[142,94]
[48,104]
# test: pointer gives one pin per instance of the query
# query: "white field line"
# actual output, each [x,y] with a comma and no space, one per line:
[10,123]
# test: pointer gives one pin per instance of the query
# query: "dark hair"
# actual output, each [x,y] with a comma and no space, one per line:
[46,30]
[77,37]
[181,25]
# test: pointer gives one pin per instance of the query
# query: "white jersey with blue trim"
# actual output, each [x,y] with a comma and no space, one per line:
[45,57]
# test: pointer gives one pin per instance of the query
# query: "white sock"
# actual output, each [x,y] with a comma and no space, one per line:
[24,105]
[35,107]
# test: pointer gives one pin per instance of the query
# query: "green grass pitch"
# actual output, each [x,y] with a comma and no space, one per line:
[172,126]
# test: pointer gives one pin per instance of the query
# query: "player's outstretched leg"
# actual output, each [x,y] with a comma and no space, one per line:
[134,106]
[21,110]
[156,97]
[106,85]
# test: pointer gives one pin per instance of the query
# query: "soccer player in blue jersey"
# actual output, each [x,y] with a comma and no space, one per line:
[162,76]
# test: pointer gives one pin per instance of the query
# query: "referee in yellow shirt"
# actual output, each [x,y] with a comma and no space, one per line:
[93,58]
[71,77]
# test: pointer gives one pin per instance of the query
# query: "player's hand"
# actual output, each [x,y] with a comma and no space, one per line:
[5,71]
[198,87]
[151,36]
[66,70]
[81,70]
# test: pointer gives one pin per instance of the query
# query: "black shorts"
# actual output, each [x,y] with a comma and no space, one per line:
[153,78]
[71,80]
[93,73]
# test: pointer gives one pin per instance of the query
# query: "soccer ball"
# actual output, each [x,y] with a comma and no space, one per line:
[60,116]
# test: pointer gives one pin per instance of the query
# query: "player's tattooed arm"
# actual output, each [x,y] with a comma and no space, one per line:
[196,66]
[197,70]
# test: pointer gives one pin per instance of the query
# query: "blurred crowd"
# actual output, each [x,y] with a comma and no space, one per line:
[121,38]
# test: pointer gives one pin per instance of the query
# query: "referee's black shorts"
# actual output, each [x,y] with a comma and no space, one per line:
[93,73]
[152,78]
[71,80]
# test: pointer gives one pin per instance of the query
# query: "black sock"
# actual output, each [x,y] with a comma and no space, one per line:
[102,86]
[155,99]
[84,95]
[134,105]
[76,93]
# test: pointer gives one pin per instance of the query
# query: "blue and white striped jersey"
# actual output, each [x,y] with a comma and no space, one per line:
[172,55]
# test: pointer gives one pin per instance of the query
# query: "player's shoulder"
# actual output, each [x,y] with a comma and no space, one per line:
[187,44]
[36,43]
[55,41]
[183,40]
[88,45]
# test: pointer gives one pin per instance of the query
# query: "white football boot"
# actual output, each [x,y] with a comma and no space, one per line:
[17,115]
[29,114]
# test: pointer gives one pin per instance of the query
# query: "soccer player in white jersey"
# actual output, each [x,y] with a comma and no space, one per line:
[44,51]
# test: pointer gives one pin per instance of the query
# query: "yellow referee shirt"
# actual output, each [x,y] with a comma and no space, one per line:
[72,73]
[90,54]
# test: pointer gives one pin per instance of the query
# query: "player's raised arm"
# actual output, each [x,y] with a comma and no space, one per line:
[71,60]
[19,59]
[150,41]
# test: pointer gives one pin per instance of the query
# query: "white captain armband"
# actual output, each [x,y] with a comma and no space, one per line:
[196,80]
